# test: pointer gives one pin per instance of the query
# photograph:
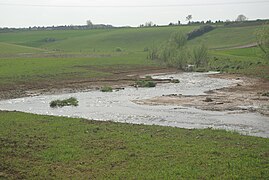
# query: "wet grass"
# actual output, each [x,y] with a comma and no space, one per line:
[34,146]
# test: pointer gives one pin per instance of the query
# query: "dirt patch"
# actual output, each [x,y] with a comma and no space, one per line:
[119,78]
[244,96]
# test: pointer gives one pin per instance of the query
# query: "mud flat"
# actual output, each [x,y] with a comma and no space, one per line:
[200,100]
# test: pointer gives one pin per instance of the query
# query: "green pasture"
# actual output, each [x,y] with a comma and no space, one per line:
[226,37]
[34,147]
[247,61]
[17,70]
[89,41]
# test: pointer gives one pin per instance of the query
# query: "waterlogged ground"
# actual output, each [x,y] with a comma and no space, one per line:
[120,106]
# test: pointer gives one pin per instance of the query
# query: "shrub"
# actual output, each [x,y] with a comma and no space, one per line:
[200,55]
[266,94]
[146,49]
[118,49]
[176,53]
[48,40]
[175,81]
[106,89]
[153,53]
[145,83]
[66,102]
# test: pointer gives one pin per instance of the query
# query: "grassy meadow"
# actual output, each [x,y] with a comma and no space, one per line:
[34,146]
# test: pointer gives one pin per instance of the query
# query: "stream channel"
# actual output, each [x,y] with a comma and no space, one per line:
[118,106]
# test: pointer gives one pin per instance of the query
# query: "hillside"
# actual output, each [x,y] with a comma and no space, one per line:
[130,39]
[9,49]
[43,58]
[225,37]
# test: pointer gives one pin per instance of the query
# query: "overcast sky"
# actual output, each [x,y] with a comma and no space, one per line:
[25,13]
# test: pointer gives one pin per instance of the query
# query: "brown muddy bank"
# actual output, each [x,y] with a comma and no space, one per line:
[119,78]
[246,95]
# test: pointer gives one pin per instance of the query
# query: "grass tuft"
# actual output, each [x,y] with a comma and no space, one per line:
[107,89]
[66,102]
[145,83]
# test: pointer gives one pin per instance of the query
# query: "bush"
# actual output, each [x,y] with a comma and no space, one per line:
[66,102]
[106,89]
[146,49]
[175,81]
[266,94]
[176,53]
[200,55]
[153,53]
[48,40]
[145,83]
[118,49]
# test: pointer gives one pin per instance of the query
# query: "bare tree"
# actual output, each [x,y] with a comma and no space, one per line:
[241,18]
[189,18]
[149,24]
[89,23]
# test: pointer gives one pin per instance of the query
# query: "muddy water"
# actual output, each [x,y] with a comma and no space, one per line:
[118,106]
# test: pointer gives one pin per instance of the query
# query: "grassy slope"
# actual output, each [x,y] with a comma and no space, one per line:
[247,61]
[224,37]
[57,69]
[33,146]
[21,69]
[9,49]
[131,39]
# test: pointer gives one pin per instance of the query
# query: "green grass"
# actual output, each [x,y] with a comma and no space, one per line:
[18,70]
[225,37]
[254,52]
[33,146]
[9,49]
[89,41]
[247,61]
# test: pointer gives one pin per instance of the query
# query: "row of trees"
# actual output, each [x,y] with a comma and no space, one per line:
[240,18]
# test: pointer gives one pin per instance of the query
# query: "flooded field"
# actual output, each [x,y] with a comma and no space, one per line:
[120,106]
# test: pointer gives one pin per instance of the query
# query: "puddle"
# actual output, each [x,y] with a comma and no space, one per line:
[118,106]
